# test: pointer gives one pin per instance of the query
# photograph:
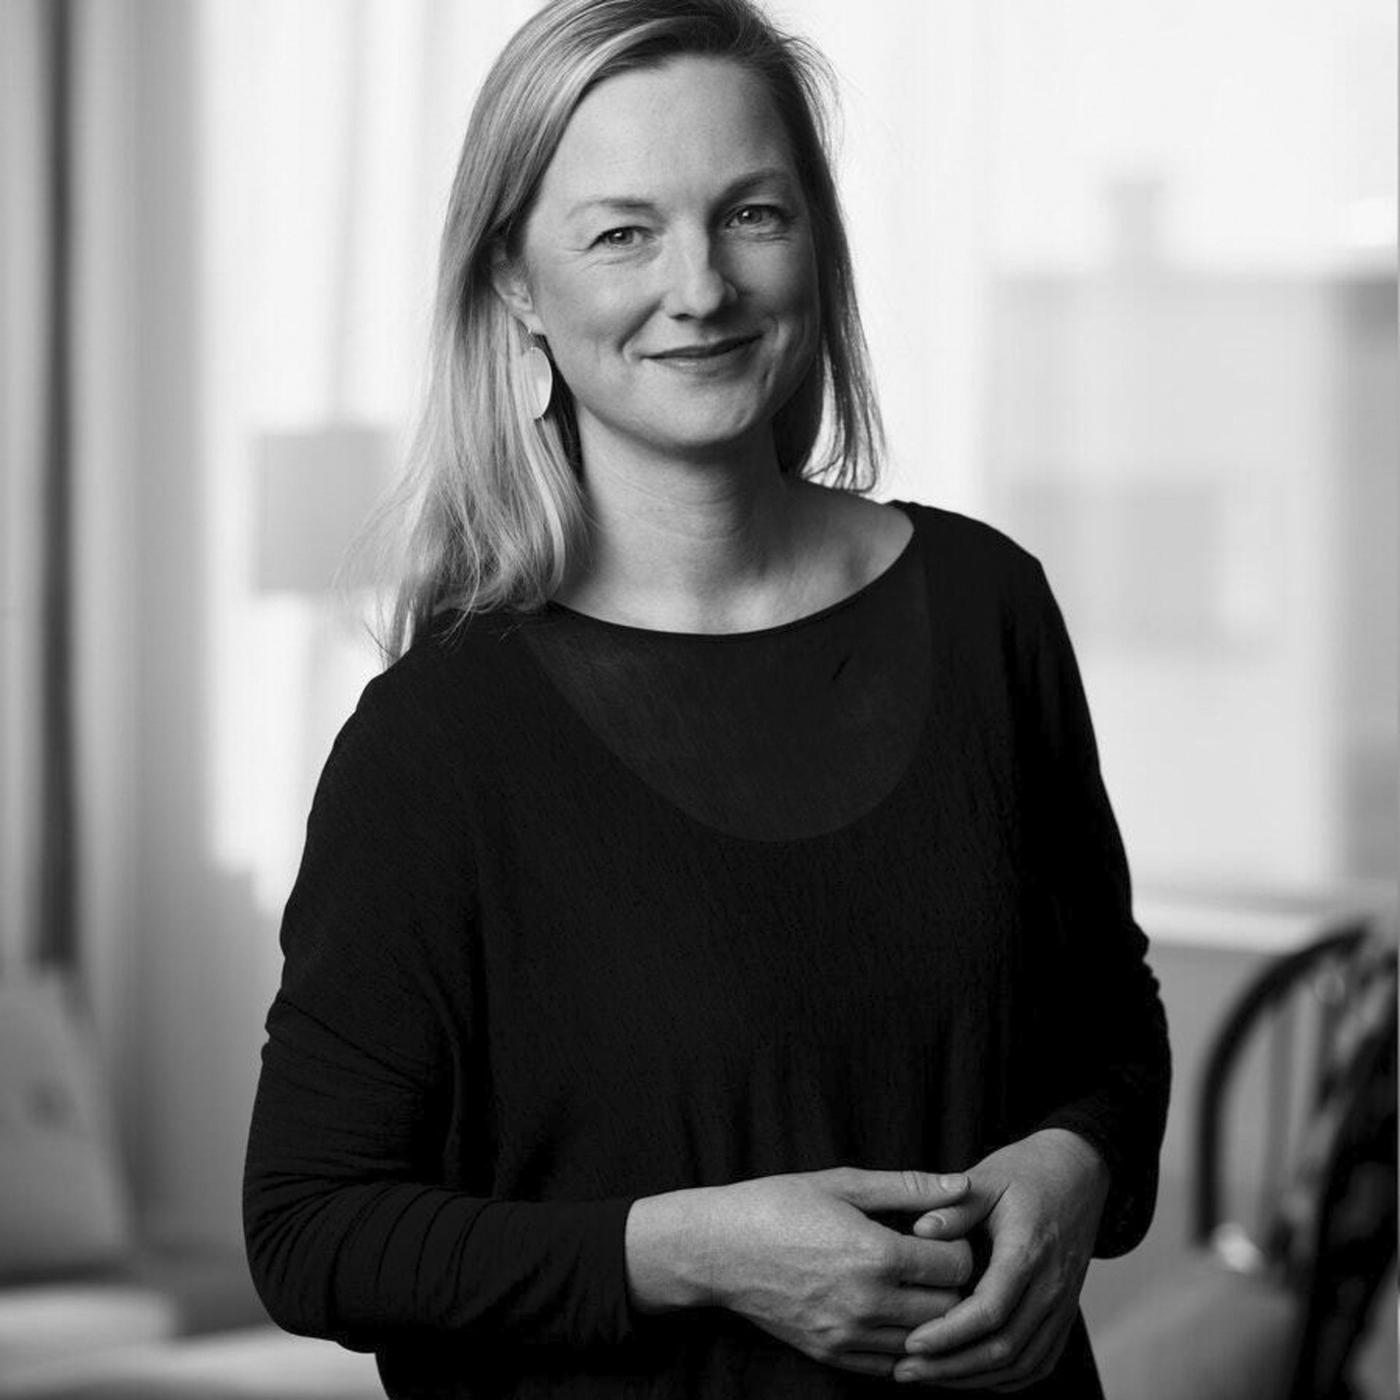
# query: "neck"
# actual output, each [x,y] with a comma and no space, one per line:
[689,545]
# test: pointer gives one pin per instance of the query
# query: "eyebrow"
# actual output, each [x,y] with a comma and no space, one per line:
[630,204]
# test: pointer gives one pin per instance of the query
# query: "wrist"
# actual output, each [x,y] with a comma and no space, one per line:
[668,1258]
[1082,1151]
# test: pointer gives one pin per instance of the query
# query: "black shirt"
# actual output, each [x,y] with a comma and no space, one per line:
[590,912]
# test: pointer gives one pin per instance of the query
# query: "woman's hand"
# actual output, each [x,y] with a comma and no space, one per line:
[1039,1201]
[799,1257]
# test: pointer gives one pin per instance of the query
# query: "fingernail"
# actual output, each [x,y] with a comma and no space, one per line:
[956,1182]
[932,1222]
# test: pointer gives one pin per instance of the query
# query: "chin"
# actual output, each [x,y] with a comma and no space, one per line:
[689,429]
[712,439]
[690,425]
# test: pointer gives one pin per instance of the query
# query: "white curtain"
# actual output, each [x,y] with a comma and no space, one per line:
[24,181]
[30,344]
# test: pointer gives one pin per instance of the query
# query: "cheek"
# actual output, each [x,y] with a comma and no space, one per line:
[795,292]
[802,277]
[800,302]
[586,317]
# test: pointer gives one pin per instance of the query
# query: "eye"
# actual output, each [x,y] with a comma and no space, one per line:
[758,216]
[625,237]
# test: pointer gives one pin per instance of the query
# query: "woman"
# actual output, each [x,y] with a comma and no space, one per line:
[711,970]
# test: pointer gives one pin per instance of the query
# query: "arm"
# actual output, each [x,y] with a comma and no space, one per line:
[350,1232]
[1106,1061]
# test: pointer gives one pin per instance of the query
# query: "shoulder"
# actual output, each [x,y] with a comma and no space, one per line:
[877,527]
[966,543]
[455,665]
[982,580]
[968,559]
[963,556]
[438,709]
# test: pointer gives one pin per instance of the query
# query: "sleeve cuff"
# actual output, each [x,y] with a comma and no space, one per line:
[1132,1194]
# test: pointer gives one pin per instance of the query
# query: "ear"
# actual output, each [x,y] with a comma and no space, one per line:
[513,287]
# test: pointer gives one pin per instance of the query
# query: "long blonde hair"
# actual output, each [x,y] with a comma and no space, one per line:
[490,507]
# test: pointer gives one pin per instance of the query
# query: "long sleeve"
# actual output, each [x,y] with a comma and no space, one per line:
[1107,1062]
[356,1227]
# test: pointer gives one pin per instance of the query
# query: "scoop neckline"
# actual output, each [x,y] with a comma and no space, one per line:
[551,606]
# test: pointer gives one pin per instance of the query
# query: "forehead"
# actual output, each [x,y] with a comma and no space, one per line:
[664,133]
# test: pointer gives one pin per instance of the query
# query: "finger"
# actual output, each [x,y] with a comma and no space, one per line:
[863,1363]
[988,1308]
[909,1191]
[908,1308]
[914,1306]
[1026,1362]
[879,1341]
[954,1221]
[1031,1376]
[932,1263]
[892,1317]
[992,1358]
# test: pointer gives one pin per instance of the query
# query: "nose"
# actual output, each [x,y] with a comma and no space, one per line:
[697,284]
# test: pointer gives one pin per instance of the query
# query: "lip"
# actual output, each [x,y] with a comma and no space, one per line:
[709,350]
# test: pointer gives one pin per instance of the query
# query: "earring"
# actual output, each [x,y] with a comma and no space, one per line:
[539,381]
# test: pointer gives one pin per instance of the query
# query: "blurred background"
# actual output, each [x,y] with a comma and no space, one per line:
[1129,274]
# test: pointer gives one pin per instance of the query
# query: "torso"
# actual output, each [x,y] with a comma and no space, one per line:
[692,963]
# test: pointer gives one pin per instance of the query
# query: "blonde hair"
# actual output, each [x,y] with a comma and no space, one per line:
[490,507]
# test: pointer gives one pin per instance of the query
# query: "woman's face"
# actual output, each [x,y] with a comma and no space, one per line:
[669,262]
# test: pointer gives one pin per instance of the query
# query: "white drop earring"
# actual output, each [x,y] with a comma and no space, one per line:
[539,381]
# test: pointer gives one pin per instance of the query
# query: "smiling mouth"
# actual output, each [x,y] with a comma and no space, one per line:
[712,351]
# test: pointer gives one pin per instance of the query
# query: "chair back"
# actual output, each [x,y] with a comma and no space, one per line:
[1321,1023]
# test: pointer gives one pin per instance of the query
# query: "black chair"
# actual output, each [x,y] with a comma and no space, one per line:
[1285,1274]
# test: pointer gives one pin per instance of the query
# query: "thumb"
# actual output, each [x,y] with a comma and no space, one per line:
[954,1221]
[897,1190]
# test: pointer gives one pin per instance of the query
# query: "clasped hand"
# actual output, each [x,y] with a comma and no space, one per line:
[799,1256]
[1038,1202]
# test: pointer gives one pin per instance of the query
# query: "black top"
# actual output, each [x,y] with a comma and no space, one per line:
[590,912]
